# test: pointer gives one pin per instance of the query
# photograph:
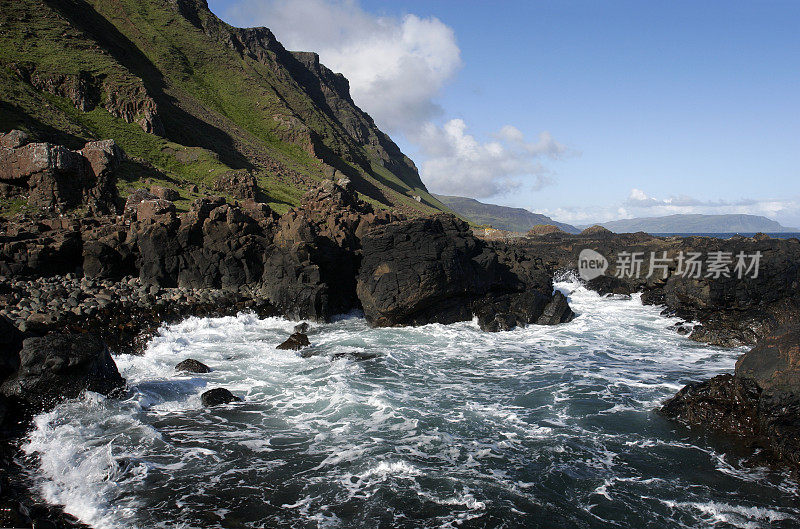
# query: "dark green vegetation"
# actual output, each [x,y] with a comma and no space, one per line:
[698,224]
[502,217]
[190,98]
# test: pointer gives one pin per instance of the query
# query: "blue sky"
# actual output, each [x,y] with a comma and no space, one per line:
[647,107]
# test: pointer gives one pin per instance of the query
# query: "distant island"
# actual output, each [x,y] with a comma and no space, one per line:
[698,224]
[502,217]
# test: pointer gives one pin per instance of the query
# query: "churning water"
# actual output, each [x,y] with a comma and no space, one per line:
[448,427]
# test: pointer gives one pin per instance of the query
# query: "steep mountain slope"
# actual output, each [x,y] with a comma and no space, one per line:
[698,224]
[503,217]
[193,100]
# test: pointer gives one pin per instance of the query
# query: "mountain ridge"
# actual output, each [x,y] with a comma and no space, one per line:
[192,99]
[698,223]
[503,217]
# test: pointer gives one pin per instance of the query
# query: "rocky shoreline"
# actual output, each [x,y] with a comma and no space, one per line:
[75,288]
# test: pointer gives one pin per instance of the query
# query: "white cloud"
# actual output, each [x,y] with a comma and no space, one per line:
[396,66]
[641,204]
[457,163]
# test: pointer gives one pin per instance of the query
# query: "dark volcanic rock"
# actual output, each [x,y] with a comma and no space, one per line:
[295,342]
[217,396]
[426,270]
[759,405]
[10,345]
[503,313]
[433,270]
[59,366]
[191,365]
[557,311]
[774,363]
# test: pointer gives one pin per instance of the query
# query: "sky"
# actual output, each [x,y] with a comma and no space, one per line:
[582,110]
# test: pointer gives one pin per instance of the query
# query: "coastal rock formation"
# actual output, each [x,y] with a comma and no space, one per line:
[759,405]
[55,178]
[59,366]
[731,311]
[433,270]
[295,342]
[218,396]
[190,365]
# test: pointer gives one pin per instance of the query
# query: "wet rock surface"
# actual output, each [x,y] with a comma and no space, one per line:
[731,311]
[295,342]
[191,365]
[759,406]
[217,397]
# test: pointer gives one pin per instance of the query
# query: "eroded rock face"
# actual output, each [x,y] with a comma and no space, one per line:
[55,178]
[59,366]
[433,270]
[774,363]
[759,405]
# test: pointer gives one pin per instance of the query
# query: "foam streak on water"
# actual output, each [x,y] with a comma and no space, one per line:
[448,427]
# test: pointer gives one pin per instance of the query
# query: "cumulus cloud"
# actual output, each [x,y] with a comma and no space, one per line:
[396,66]
[457,163]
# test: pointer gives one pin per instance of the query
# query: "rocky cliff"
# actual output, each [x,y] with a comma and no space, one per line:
[192,101]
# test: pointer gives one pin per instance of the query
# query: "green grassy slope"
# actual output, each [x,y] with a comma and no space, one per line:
[223,99]
[502,217]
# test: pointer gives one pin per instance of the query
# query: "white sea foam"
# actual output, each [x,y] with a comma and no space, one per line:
[448,424]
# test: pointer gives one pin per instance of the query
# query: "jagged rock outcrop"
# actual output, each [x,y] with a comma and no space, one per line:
[55,178]
[732,311]
[60,366]
[433,270]
[759,405]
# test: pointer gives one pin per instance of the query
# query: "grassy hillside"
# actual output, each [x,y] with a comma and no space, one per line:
[190,98]
[502,217]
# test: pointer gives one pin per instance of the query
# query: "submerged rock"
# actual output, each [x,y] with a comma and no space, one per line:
[190,365]
[295,342]
[217,396]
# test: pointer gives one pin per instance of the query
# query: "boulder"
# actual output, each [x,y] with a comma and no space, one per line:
[240,184]
[14,139]
[217,396]
[424,270]
[154,209]
[135,198]
[774,363]
[295,342]
[302,327]
[191,365]
[59,366]
[165,193]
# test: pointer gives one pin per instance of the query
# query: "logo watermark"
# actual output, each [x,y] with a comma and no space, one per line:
[591,264]
[694,265]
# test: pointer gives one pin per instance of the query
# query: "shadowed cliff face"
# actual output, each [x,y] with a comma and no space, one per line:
[194,99]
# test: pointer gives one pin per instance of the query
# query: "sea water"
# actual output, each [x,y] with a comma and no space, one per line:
[448,426]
